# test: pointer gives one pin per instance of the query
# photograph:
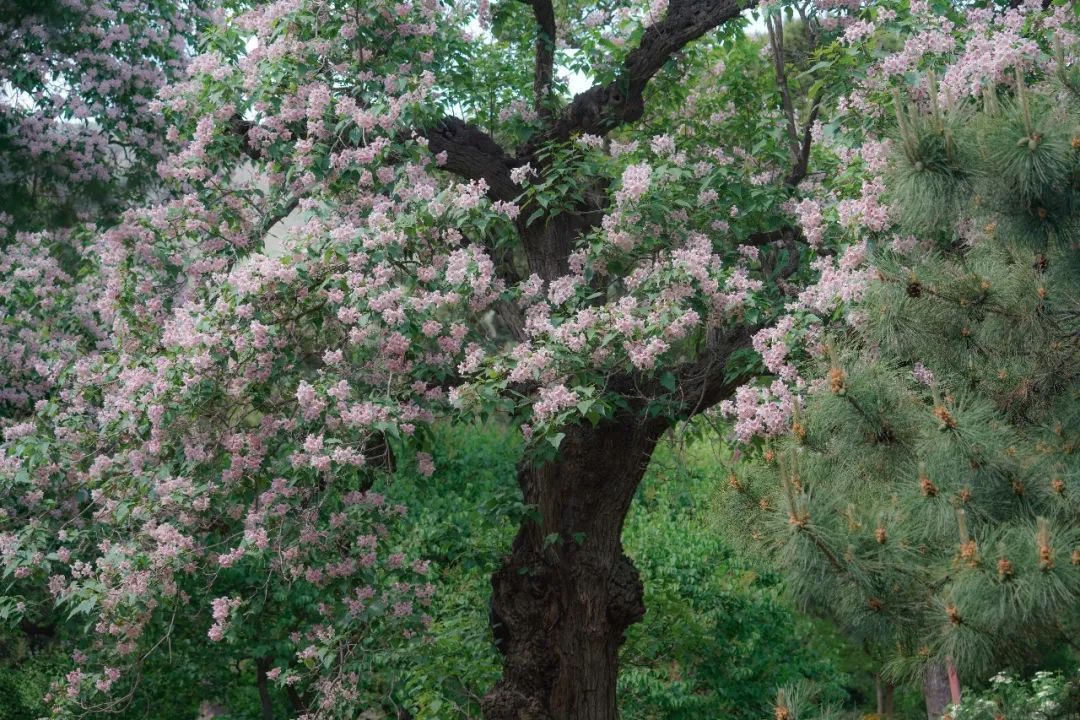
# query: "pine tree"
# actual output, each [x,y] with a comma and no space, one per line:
[928,495]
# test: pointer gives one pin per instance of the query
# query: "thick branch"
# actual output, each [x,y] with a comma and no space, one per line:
[604,107]
[472,154]
[701,383]
[705,382]
[544,13]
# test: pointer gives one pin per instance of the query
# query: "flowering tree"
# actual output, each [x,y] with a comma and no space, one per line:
[78,144]
[470,241]
[76,140]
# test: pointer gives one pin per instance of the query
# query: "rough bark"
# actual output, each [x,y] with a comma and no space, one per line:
[565,596]
[604,107]
[936,690]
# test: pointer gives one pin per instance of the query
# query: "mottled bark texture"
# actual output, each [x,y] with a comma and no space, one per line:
[565,596]
[936,690]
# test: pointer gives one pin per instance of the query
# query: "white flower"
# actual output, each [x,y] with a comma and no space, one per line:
[522,173]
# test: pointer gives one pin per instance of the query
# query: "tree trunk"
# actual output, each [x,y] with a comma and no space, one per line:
[954,683]
[563,599]
[936,690]
[889,705]
[262,665]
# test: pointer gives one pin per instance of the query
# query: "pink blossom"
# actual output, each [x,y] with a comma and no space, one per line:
[552,400]
[635,183]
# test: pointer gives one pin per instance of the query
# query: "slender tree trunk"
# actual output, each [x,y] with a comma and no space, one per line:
[565,596]
[262,665]
[884,697]
[296,702]
[954,683]
[936,690]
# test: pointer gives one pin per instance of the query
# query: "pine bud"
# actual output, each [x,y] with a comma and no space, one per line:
[733,482]
[1057,485]
[781,711]
[914,287]
[764,504]
[880,535]
[798,430]
[929,489]
[799,519]
[836,381]
[1018,488]
[875,604]
[969,553]
[1042,291]
[1076,557]
[964,496]
[953,614]
[1046,552]
[946,419]
[1005,569]
[1046,557]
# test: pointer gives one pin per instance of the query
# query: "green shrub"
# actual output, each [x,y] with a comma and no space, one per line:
[1044,696]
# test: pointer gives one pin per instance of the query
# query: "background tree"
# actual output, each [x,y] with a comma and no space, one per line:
[925,496]
[77,138]
[79,142]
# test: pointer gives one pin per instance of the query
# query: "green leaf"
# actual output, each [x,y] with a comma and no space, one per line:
[668,381]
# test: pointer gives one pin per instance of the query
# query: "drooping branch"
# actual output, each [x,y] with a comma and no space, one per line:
[470,152]
[604,107]
[544,12]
